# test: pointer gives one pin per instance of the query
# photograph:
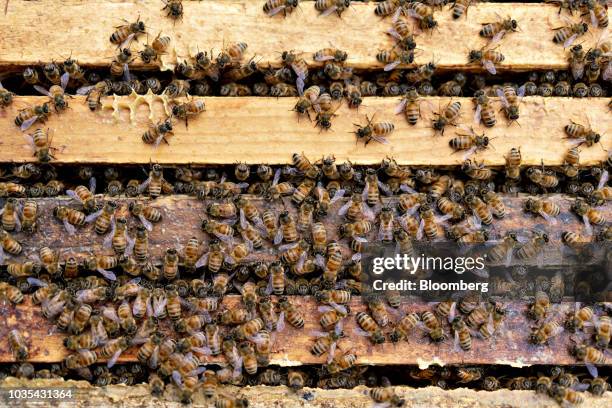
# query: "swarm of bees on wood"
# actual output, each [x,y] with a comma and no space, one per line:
[172,308]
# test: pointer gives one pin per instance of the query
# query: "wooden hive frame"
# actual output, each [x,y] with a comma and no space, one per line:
[266,130]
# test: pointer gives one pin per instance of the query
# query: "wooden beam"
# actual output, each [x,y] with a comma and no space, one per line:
[182,219]
[266,130]
[139,395]
[30,33]
[292,346]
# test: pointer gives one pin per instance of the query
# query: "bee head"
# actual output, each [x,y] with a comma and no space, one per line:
[475,55]
[140,26]
[513,25]
[347,3]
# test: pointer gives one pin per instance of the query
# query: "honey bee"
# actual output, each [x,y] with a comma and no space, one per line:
[327,7]
[603,327]
[145,213]
[10,216]
[151,52]
[56,93]
[95,93]
[103,217]
[542,178]
[547,209]
[577,61]
[448,116]
[28,116]
[566,35]
[232,54]
[69,217]
[498,29]
[510,99]
[155,181]
[564,395]
[369,328]
[23,269]
[432,325]
[589,215]
[513,164]
[102,264]
[119,65]
[469,141]
[543,334]
[342,362]
[395,57]
[174,9]
[410,105]
[30,75]
[582,134]
[463,337]
[484,110]
[18,345]
[156,133]
[273,7]
[125,33]
[423,13]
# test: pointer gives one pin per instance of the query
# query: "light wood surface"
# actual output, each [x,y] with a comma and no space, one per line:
[264,396]
[266,130]
[30,32]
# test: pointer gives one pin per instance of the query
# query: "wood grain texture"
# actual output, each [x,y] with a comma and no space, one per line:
[182,219]
[263,396]
[30,32]
[266,130]
[292,346]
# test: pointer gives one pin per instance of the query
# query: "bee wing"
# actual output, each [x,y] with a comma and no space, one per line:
[92,185]
[502,97]
[276,10]
[142,187]
[145,222]
[497,37]
[159,306]
[587,225]
[367,212]
[299,83]
[110,313]
[338,195]
[593,19]
[92,217]
[414,14]
[470,152]
[509,255]
[108,239]
[64,80]
[391,66]
[344,208]
[548,217]
[568,43]
[578,70]
[84,90]
[606,75]
[592,369]
[278,238]
[489,66]
[1,254]
[69,228]
[42,90]
[379,139]
[177,378]
[477,114]
[357,257]
[321,58]
[520,92]
[202,261]
[360,332]
[401,106]
[420,230]
[36,282]
[280,323]
[329,11]
[25,125]
[384,188]
[125,44]
[130,245]
[107,274]
[603,179]
[277,175]
[394,34]
[126,73]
